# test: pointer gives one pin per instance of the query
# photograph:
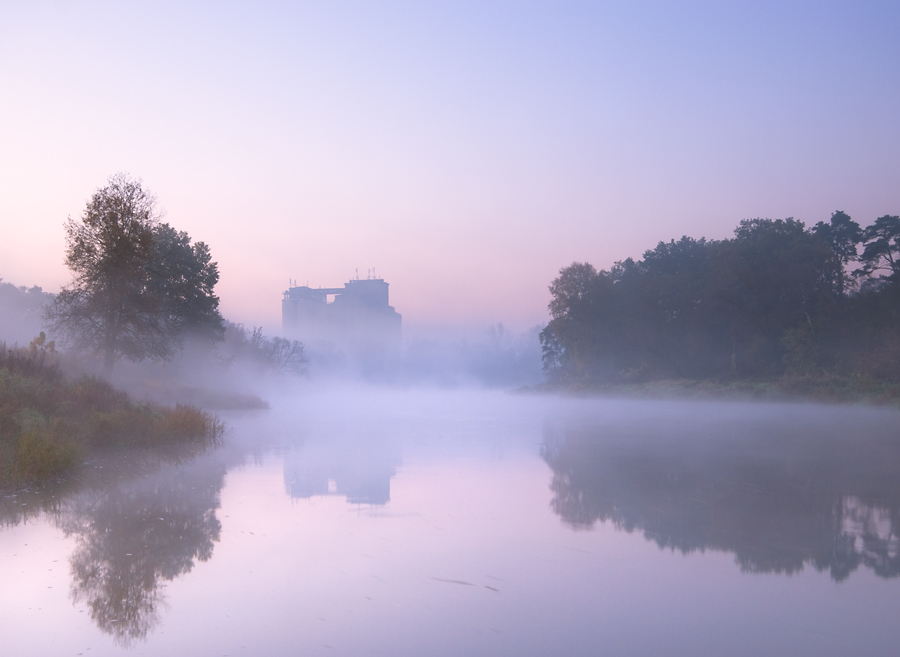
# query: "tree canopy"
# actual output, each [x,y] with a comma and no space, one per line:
[139,285]
[776,298]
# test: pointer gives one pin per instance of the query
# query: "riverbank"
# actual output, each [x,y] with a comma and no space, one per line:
[831,390]
[49,424]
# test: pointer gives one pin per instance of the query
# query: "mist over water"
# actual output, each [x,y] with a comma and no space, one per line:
[241,373]
[371,520]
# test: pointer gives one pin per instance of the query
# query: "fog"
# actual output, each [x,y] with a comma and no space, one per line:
[249,363]
[489,357]
[246,373]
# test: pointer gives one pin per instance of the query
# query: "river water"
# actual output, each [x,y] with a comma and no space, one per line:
[372,522]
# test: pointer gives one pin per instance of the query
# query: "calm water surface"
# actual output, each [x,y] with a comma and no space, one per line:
[473,523]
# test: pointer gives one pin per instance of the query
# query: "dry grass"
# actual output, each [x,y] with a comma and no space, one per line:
[47,423]
[42,455]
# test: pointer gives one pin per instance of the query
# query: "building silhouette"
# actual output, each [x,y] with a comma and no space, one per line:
[358,315]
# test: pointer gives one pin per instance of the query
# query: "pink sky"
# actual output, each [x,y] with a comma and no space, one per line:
[466,152]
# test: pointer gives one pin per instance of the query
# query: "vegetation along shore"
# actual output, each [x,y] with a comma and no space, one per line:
[49,423]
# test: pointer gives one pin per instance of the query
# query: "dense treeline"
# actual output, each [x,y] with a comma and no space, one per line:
[776,299]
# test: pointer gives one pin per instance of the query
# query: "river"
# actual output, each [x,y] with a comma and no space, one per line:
[388,522]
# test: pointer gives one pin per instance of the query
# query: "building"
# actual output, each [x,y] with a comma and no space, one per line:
[356,315]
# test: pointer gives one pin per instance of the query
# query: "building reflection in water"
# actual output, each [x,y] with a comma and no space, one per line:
[358,469]
[779,496]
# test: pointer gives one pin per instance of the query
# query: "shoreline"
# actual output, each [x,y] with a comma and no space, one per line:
[831,390]
[51,425]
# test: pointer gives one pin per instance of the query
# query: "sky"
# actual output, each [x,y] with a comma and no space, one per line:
[464,150]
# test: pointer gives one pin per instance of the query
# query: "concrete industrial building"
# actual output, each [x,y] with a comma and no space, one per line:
[358,316]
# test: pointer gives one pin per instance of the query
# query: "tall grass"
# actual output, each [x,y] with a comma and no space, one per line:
[48,422]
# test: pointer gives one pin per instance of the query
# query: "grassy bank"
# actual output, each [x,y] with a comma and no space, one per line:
[49,423]
[824,389]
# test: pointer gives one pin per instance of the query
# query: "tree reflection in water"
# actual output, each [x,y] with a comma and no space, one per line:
[20,506]
[777,495]
[132,538]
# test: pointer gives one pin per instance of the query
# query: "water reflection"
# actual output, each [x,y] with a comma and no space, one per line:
[779,488]
[805,489]
[20,506]
[143,519]
[359,469]
[131,539]
[139,519]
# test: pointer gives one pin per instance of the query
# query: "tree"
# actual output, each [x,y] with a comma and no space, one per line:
[777,277]
[583,323]
[843,234]
[183,276]
[138,285]
[882,247]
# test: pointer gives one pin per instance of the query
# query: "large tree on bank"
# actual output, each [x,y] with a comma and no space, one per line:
[138,285]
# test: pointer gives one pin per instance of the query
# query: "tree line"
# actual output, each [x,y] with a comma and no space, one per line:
[21,311]
[776,299]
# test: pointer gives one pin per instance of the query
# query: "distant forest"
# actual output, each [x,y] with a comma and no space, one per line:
[21,312]
[776,300]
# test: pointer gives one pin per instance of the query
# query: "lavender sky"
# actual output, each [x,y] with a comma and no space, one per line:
[466,151]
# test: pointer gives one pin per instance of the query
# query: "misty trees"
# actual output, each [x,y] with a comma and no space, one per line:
[21,311]
[693,308]
[581,295]
[139,286]
[271,355]
[776,298]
